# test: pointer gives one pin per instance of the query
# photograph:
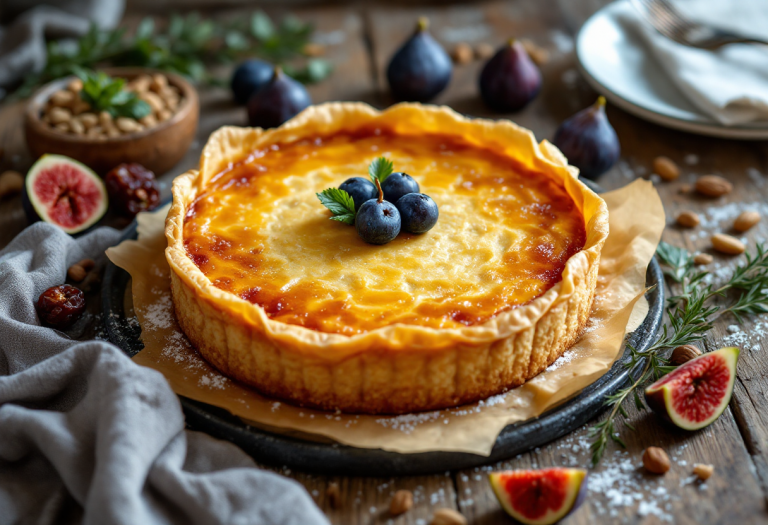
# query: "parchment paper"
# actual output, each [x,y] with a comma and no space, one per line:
[636,223]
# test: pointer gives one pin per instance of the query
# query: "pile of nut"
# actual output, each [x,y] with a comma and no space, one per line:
[463,53]
[67,113]
[709,186]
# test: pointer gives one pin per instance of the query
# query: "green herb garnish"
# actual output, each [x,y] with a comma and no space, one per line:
[185,45]
[380,169]
[105,93]
[691,316]
[340,203]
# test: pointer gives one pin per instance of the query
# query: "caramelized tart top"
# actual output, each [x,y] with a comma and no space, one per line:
[506,230]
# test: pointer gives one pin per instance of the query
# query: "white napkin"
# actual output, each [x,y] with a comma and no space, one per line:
[730,84]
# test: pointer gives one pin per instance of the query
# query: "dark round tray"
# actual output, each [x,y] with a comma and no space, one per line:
[336,459]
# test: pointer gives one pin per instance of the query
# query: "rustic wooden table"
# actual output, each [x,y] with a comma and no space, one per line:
[359,40]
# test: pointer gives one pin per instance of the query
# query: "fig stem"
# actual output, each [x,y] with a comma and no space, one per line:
[277,72]
[423,24]
[600,101]
[381,192]
[511,42]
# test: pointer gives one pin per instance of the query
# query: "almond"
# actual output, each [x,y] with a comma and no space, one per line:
[75,85]
[462,53]
[713,186]
[683,354]
[688,219]
[402,502]
[726,244]
[62,98]
[60,115]
[702,258]
[88,264]
[76,273]
[333,493]
[447,517]
[666,168]
[746,220]
[11,183]
[703,471]
[484,51]
[655,460]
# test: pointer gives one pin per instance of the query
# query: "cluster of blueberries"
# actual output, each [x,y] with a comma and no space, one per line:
[378,221]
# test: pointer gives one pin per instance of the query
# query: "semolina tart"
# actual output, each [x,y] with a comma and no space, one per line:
[276,295]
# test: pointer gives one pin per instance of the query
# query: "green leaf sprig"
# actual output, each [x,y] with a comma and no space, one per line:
[380,169]
[691,316]
[186,45]
[340,203]
[105,93]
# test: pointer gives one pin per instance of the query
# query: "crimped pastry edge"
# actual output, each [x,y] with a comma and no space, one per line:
[398,368]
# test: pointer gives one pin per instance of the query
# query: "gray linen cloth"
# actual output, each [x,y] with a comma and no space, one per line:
[86,436]
[29,22]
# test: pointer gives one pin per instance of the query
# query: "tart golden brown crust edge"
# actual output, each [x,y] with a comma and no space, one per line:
[399,368]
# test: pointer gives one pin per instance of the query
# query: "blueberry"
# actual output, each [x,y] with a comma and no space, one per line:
[418,212]
[397,185]
[250,77]
[377,222]
[360,189]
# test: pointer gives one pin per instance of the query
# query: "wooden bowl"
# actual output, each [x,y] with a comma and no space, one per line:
[158,148]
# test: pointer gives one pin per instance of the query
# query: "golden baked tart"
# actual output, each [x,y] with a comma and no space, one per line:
[274,294]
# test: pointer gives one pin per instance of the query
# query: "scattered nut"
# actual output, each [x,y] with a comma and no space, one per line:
[683,354]
[154,101]
[333,493]
[726,244]
[89,119]
[484,51]
[703,471]
[128,125]
[76,273]
[713,186]
[538,54]
[462,53]
[75,85]
[447,517]
[688,219]
[314,50]
[746,220]
[77,126]
[401,502]
[666,168]
[159,83]
[140,84]
[685,188]
[88,264]
[702,258]
[62,98]
[60,115]
[655,460]
[11,183]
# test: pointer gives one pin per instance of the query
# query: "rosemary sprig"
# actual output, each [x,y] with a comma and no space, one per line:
[691,315]
[185,46]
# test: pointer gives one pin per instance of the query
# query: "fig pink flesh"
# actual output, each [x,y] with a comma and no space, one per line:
[698,387]
[69,196]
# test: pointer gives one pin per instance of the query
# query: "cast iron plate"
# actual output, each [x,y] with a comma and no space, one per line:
[337,459]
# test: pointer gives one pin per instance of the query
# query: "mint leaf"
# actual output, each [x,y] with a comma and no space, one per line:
[105,93]
[340,203]
[380,169]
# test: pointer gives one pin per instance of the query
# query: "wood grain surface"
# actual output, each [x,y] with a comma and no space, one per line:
[360,39]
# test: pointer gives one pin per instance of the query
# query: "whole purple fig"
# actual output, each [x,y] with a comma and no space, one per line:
[420,69]
[282,99]
[588,141]
[510,79]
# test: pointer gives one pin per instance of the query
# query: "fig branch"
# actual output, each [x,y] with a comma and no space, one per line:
[691,315]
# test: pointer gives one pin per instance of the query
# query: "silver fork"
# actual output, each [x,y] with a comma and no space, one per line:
[668,21]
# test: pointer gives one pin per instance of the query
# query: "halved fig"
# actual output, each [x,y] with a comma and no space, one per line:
[695,394]
[64,192]
[540,497]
